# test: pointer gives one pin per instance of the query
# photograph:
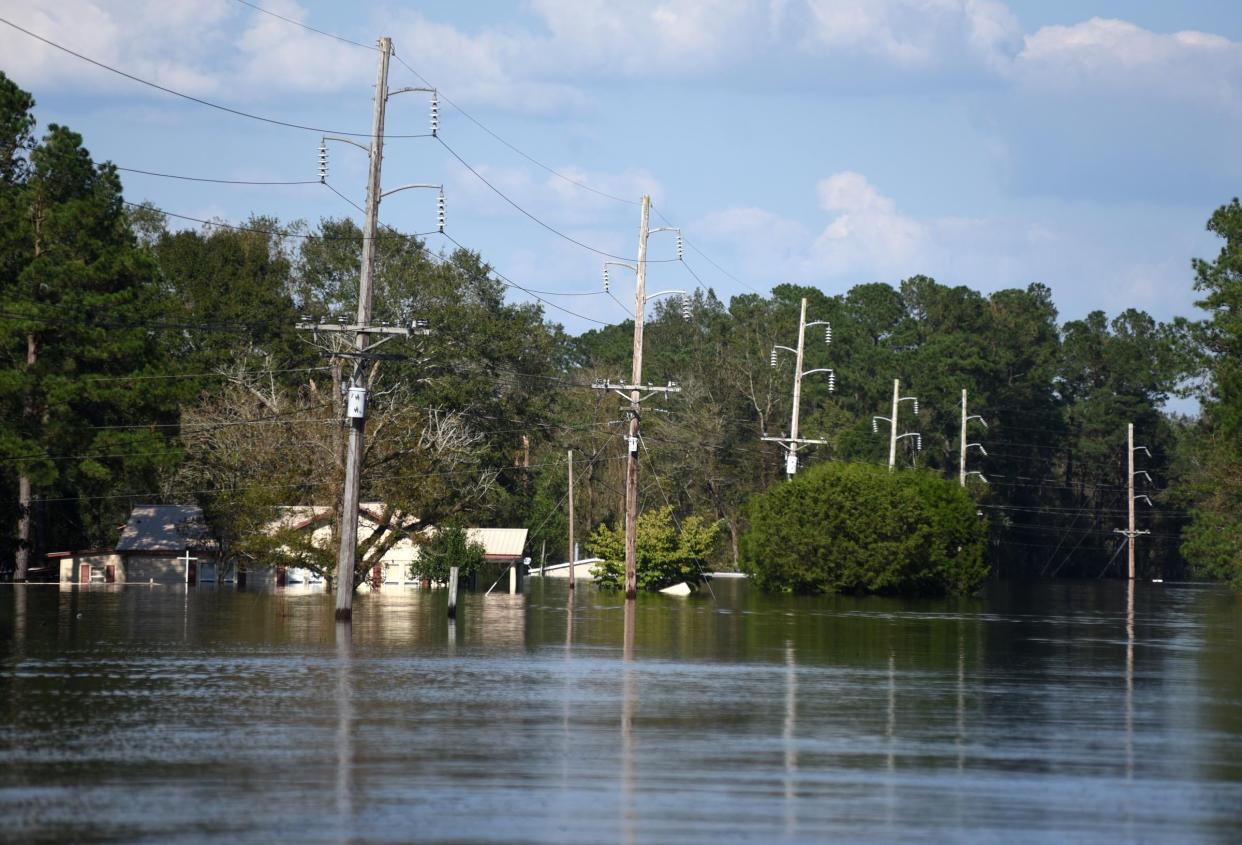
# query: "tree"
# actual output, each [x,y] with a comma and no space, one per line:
[80,365]
[667,554]
[1212,542]
[859,528]
[448,547]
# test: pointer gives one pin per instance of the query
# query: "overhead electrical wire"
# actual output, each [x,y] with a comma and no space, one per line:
[198,100]
[507,281]
[547,226]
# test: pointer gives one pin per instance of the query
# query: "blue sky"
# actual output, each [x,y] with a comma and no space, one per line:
[828,142]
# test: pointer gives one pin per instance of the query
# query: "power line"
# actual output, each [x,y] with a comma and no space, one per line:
[308,27]
[192,98]
[215,181]
[547,226]
[507,281]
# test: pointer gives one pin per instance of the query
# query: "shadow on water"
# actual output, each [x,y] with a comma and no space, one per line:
[1085,711]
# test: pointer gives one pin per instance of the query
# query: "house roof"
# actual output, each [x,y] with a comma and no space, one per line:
[162,528]
[499,542]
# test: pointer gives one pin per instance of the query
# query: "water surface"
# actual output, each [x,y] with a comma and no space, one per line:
[1040,712]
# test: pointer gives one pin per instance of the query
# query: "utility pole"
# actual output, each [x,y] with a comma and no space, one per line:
[792,442]
[571,519]
[963,446]
[636,378]
[1131,532]
[362,329]
[636,387]
[357,390]
[893,436]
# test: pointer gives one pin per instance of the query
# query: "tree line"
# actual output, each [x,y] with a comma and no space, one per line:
[146,362]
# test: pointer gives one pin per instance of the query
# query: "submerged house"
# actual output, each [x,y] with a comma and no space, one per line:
[161,544]
[502,546]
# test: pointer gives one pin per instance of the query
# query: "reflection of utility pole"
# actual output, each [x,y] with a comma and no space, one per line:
[893,436]
[963,445]
[363,328]
[635,389]
[1131,532]
[570,497]
[792,442]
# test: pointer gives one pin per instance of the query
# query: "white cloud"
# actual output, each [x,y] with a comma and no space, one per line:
[1105,56]
[868,231]
[915,34]
[202,49]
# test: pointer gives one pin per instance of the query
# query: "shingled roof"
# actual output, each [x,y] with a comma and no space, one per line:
[163,528]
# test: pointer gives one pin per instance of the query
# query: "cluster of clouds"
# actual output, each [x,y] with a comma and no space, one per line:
[183,44]
[549,58]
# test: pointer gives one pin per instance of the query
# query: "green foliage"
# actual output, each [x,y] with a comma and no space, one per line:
[858,528]
[448,547]
[1212,484]
[82,393]
[666,554]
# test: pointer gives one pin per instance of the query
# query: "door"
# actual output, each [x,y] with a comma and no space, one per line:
[377,576]
[84,573]
[110,573]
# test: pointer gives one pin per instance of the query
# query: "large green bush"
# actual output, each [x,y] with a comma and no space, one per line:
[666,554]
[859,528]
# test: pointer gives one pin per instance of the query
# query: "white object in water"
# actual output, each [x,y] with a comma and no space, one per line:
[682,589]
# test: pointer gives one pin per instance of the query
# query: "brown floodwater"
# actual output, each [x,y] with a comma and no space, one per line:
[1044,712]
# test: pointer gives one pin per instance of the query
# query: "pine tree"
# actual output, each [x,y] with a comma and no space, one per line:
[79,319]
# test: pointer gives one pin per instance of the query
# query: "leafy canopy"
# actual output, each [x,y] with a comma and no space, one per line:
[859,528]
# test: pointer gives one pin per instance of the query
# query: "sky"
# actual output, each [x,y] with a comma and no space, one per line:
[1082,145]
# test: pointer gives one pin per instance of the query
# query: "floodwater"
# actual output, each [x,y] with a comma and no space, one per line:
[1039,712]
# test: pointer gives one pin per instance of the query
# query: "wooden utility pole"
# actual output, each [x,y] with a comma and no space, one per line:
[963,446]
[961,456]
[893,436]
[636,378]
[892,429]
[346,557]
[570,497]
[634,390]
[1130,497]
[1131,532]
[792,442]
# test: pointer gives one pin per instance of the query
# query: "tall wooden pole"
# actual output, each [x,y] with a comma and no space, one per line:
[572,555]
[791,463]
[1131,535]
[961,456]
[345,561]
[892,433]
[636,378]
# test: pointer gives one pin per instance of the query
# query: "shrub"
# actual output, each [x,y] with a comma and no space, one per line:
[449,547]
[665,554]
[859,528]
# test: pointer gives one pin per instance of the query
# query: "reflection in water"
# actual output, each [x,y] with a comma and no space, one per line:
[789,734]
[262,728]
[19,619]
[344,735]
[628,810]
[1130,680]
[961,697]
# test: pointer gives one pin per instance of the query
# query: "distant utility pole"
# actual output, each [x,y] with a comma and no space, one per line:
[362,330]
[636,387]
[964,445]
[1131,532]
[792,442]
[571,519]
[893,436]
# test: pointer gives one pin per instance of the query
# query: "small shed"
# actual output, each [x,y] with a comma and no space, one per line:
[165,544]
